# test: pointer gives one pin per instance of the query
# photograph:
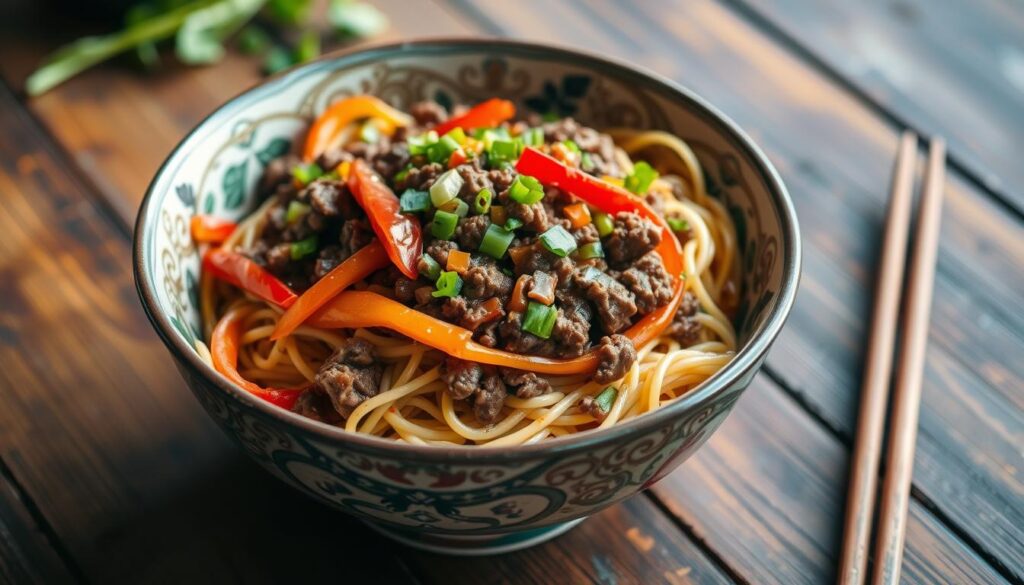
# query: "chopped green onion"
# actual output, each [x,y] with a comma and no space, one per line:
[525,189]
[430,268]
[306,174]
[641,178]
[678,225]
[571,145]
[558,241]
[296,211]
[445,188]
[513,223]
[456,206]
[496,241]
[443,226]
[540,319]
[442,150]
[504,151]
[586,163]
[413,201]
[604,223]
[457,134]
[482,202]
[303,248]
[534,137]
[419,144]
[369,132]
[606,399]
[591,250]
[402,174]
[448,285]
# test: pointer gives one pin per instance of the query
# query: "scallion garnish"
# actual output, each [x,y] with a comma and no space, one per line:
[558,241]
[419,144]
[641,178]
[402,174]
[526,190]
[296,211]
[445,188]
[448,285]
[457,134]
[457,206]
[678,224]
[540,319]
[604,224]
[442,150]
[429,267]
[591,250]
[443,226]
[307,173]
[534,137]
[571,146]
[303,248]
[504,151]
[414,201]
[513,223]
[482,202]
[606,399]
[496,241]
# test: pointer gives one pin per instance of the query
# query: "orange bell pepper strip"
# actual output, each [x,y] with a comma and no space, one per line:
[207,229]
[483,115]
[224,350]
[398,232]
[578,214]
[248,276]
[326,129]
[367,260]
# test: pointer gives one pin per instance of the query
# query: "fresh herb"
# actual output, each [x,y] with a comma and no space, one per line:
[429,267]
[413,201]
[496,241]
[441,151]
[356,20]
[678,225]
[307,173]
[277,59]
[443,226]
[402,174]
[457,206]
[296,211]
[303,248]
[513,223]
[449,284]
[606,399]
[591,250]
[526,190]
[639,181]
[558,241]
[503,151]
[446,187]
[540,319]
[482,202]
[253,40]
[604,224]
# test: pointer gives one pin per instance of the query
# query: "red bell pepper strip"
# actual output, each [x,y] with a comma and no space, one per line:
[398,233]
[328,127]
[248,276]
[367,260]
[483,115]
[224,350]
[207,229]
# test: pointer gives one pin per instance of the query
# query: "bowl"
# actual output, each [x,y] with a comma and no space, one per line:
[465,500]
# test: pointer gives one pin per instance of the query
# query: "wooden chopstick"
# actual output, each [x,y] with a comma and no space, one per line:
[875,389]
[907,400]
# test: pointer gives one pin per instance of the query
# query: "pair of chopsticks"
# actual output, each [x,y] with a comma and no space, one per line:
[895,494]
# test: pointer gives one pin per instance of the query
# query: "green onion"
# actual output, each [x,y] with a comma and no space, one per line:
[430,268]
[296,211]
[540,319]
[482,202]
[604,224]
[448,285]
[445,188]
[558,241]
[402,174]
[504,151]
[586,163]
[496,241]
[571,145]
[442,150]
[525,189]
[456,206]
[413,201]
[443,226]
[606,399]
[419,144]
[457,134]
[303,248]
[306,174]
[534,137]
[641,178]
[591,250]
[513,223]
[369,133]
[678,225]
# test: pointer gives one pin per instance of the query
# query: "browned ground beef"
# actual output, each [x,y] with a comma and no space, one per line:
[590,406]
[470,231]
[428,113]
[684,328]
[316,404]
[350,375]
[647,280]
[614,303]
[484,280]
[484,388]
[525,384]
[632,237]
[615,355]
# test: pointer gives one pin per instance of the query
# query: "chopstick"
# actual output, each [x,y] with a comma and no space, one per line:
[875,388]
[907,402]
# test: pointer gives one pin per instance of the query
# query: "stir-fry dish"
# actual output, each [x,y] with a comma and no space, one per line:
[471,278]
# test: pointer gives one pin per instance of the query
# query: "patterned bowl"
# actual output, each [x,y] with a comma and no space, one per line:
[465,500]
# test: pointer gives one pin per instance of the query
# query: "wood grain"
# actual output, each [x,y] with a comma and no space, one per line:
[26,553]
[946,67]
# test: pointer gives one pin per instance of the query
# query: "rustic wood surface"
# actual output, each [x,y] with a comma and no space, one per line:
[110,472]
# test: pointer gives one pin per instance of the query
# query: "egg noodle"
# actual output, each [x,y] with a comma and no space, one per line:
[413,404]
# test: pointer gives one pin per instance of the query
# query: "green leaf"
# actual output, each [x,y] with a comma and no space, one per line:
[356,20]
[208,204]
[200,38]
[233,185]
[275,148]
[289,12]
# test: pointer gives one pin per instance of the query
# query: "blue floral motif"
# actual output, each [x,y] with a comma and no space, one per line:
[560,100]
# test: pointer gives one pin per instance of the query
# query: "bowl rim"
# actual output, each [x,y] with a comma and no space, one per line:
[749,357]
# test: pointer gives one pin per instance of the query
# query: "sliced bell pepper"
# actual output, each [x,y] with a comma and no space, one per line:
[247,275]
[224,351]
[483,115]
[398,232]
[207,229]
[325,130]
[367,260]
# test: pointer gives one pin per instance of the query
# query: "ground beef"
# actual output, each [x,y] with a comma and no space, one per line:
[501,179]
[536,258]
[476,315]
[572,330]
[420,178]
[474,179]
[684,327]
[279,257]
[314,403]
[438,250]
[525,384]
[470,231]
[516,340]
[600,146]
[332,157]
[533,216]
[647,280]
[614,303]
[405,289]
[585,235]
[350,375]
[324,195]
[355,233]
[428,113]
[562,269]
[487,334]
[615,356]
[390,158]
[632,237]
[590,406]
[423,295]
[327,260]
[278,172]
[484,280]
[489,399]
[462,377]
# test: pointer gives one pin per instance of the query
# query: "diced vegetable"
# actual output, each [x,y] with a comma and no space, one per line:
[504,151]
[639,181]
[305,174]
[303,248]
[578,214]
[606,399]
[519,253]
[517,302]
[457,134]
[482,202]
[449,284]
[571,146]
[443,226]
[558,241]
[498,215]
[526,190]
[496,241]
[414,201]
[604,223]
[543,288]
[400,234]
[591,250]
[457,158]
[418,145]
[343,170]
[430,269]
[458,261]
[440,151]
[445,188]
[678,224]
[483,115]
[513,223]
[456,206]
[539,319]
[296,211]
[207,229]
[534,137]
[369,132]
[492,310]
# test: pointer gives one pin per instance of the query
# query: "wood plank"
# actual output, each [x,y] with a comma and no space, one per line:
[947,67]
[839,187]
[26,553]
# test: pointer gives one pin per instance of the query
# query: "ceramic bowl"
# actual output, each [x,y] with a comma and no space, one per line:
[465,499]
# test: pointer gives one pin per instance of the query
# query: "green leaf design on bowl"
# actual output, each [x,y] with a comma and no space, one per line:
[273,149]
[233,185]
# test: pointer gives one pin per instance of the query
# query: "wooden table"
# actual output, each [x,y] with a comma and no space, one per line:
[110,472]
